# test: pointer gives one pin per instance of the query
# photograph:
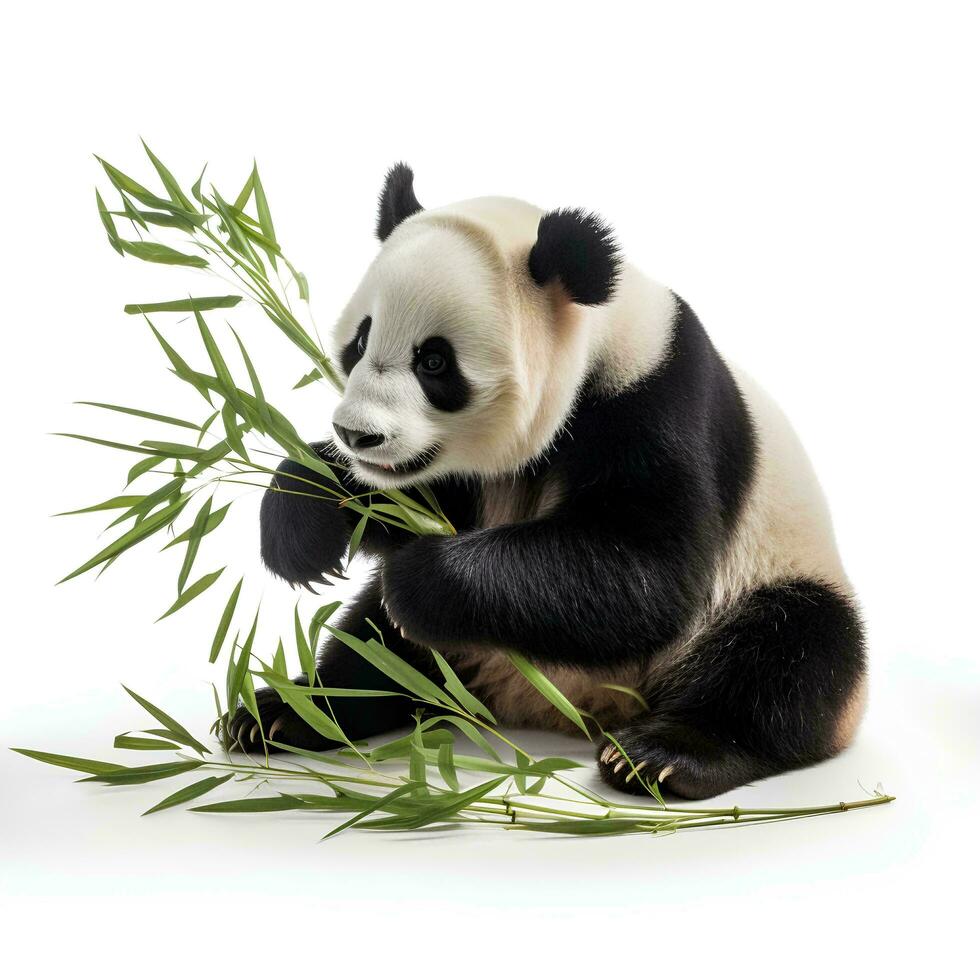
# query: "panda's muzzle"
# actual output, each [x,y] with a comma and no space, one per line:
[408,467]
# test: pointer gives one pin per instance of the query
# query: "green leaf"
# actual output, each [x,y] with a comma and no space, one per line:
[319,620]
[181,367]
[262,209]
[237,671]
[309,712]
[225,380]
[70,761]
[176,731]
[122,183]
[153,416]
[439,808]
[195,533]
[245,193]
[132,537]
[169,182]
[379,804]
[162,254]
[190,305]
[458,690]
[307,379]
[144,774]
[279,660]
[196,189]
[263,408]
[108,224]
[191,792]
[113,503]
[355,538]
[394,667]
[232,431]
[128,741]
[631,691]
[446,767]
[143,466]
[222,631]
[253,804]
[307,661]
[547,690]
[214,520]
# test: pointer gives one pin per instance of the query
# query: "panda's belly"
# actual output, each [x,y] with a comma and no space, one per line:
[491,676]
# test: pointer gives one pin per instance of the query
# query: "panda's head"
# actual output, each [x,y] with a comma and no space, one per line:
[465,343]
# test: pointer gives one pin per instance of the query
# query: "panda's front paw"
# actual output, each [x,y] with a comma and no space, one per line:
[304,534]
[414,593]
[279,724]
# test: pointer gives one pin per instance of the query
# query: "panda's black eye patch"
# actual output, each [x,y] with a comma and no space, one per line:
[354,351]
[439,375]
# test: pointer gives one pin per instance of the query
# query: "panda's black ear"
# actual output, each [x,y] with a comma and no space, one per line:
[397,201]
[578,249]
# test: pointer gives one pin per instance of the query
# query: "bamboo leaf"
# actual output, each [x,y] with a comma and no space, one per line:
[547,690]
[113,503]
[181,368]
[132,537]
[153,416]
[214,520]
[191,792]
[143,466]
[222,631]
[175,730]
[169,182]
[309,712]
[190,305]
[108,224]
[128,741]
[447,769]
[394,667]
[162,254]
[70,761]
[355,538]
[195,533]
[253,804]
[144,774]
[379,804]
[307,379]
[237,671]
[307,661]
[458,690]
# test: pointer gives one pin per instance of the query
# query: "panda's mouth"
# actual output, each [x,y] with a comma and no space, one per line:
[409,467]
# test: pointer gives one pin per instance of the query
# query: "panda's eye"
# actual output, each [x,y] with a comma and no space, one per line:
[361,343]
[431,363]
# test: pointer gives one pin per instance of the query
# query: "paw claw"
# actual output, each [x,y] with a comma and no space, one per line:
[619,765]
[276,725]
[665,772]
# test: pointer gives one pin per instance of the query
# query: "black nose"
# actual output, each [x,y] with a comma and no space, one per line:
[355,439]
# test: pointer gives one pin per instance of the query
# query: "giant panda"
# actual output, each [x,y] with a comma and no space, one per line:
[632,509]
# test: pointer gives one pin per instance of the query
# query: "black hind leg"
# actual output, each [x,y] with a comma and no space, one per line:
[338,666]
[775,685]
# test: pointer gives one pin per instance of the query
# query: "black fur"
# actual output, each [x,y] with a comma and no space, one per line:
[353,352]
[397,201]
[654,479]
[579,250]
[760,694]
[449,391]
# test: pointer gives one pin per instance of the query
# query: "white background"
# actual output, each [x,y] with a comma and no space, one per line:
[805,175]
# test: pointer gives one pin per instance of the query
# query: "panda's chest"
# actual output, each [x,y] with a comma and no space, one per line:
[515,499]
